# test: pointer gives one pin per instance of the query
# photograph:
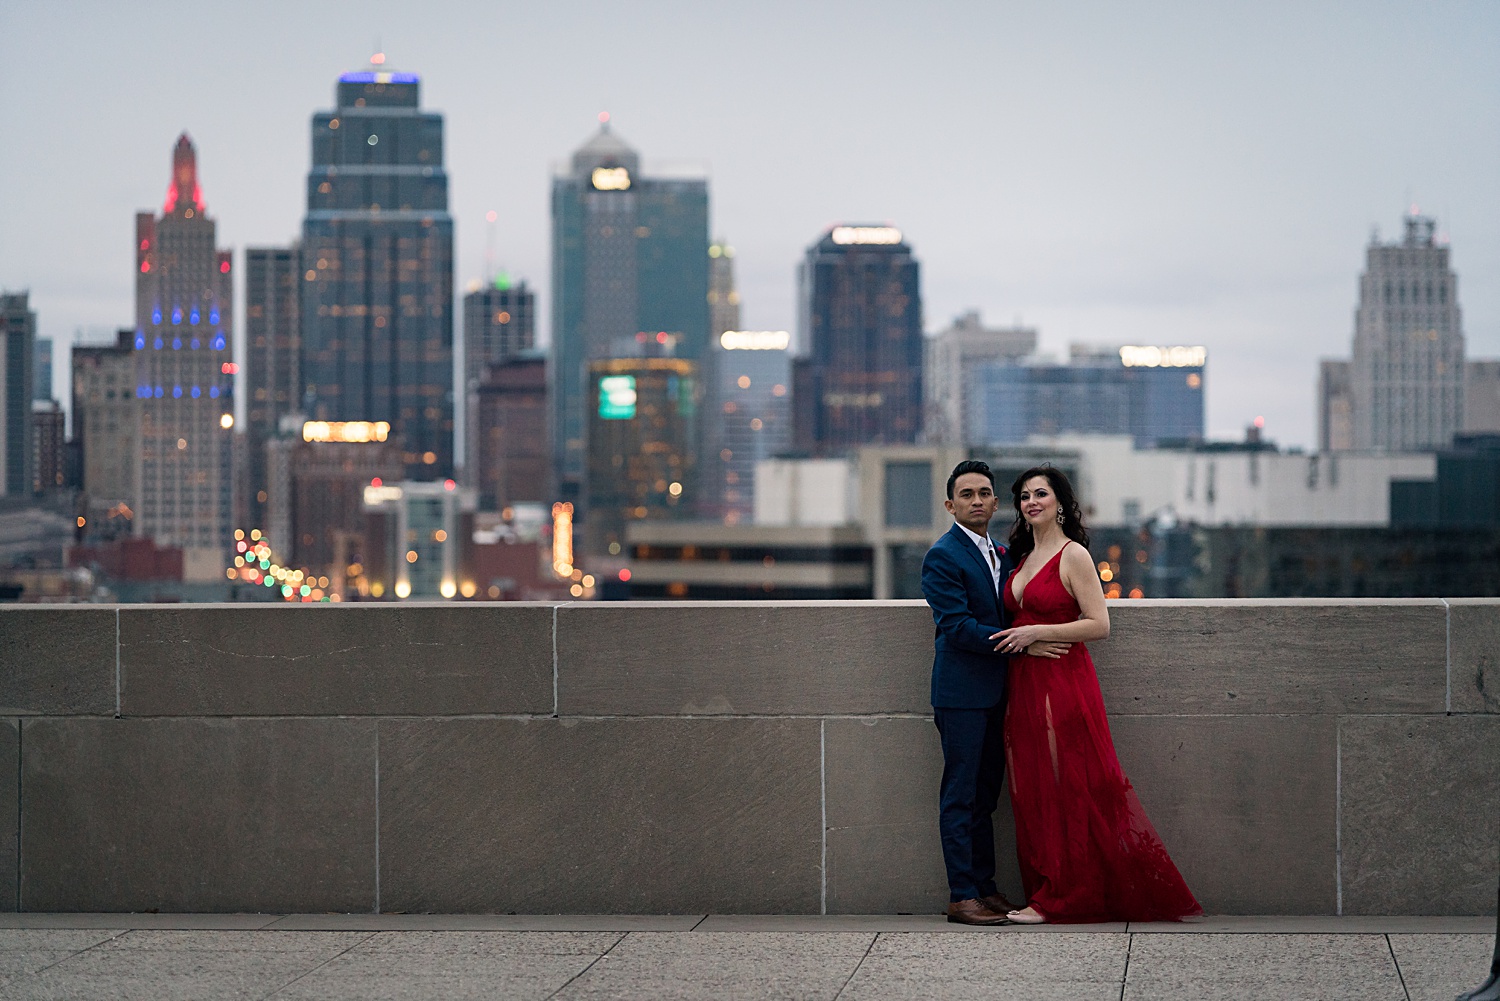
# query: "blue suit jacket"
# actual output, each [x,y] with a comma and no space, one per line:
[967,673]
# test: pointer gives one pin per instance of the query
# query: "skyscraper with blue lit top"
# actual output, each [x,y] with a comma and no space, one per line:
[184,374]
[377,258]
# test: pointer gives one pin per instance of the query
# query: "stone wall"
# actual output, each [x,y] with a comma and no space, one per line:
[1298,757]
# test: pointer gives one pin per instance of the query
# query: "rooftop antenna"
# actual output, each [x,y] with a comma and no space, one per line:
[490,219]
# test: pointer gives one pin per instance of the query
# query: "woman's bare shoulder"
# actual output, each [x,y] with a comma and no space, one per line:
[1076,556]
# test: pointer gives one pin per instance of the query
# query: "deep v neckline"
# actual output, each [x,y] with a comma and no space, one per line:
[1021,598]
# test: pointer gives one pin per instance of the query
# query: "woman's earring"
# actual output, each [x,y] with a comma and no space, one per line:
[1060,519]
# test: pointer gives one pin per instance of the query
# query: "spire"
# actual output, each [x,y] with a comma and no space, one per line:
[184,177]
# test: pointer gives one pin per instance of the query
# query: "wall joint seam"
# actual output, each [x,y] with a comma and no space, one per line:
[118,713]
[377,816]
[1447,656]
[20,800]
[823,814]
[1338,816]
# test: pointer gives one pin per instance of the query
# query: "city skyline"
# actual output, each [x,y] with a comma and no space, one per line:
[1105,176]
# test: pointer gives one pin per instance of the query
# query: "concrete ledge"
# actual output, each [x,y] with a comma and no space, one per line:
[1172,657]
[57,661]
[410,660]
[1298,757]
[729,658]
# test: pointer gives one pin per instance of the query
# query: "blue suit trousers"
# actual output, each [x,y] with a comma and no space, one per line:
[973,777]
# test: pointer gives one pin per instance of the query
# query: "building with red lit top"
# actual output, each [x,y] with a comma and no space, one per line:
[183,299]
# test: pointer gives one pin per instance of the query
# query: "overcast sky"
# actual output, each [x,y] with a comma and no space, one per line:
[1168,173]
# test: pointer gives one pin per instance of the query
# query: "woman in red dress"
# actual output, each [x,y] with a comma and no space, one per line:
[1087,850]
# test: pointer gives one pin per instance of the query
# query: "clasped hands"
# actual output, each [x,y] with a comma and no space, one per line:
[1018,639]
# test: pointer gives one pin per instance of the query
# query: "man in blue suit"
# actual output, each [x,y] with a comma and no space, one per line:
[961,579]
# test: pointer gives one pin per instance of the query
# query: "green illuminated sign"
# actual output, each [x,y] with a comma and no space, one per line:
[617,397]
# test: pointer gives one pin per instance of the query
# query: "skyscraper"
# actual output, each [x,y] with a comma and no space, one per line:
[17,379]
[47,445]
[107,402]
[511,462]
[377,259]
[1406,377]
[1335,431]
[723,297]
[948,371]
[1154,394]
[746,411]
[629,263]
[857,379]
[499,324]
[183,320]
[642,448]
[43,368]
[273,341]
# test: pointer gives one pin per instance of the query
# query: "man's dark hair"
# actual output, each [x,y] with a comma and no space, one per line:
[970,466]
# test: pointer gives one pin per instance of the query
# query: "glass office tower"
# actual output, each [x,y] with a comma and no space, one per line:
[1154,394]
[857,379]
[273,332]
[377,259]
[629,265]
[17,377]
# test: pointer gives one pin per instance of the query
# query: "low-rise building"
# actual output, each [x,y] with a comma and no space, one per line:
[714,561]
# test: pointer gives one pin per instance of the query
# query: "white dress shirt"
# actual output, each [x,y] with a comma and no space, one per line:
[986,553]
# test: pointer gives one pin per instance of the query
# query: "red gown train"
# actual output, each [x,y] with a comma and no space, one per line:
[1087,850]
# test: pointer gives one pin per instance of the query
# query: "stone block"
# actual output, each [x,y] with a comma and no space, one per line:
[884,852]
[996,964]
[1245,806]
[57,661]
[454,966]
[1442,966]
[198,815]
[644,816]
[177,967]
[370,659]
[730,658]
[10,813]
[1330,656]
[1474,655]
[1420,829]
[696,965]
[1172,967]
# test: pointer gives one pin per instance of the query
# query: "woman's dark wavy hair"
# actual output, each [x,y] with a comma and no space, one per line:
[1021,542]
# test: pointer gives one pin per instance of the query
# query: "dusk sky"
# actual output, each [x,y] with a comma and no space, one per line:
[1163,173]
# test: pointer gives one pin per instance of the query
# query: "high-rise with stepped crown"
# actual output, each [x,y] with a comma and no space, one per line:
[184,375]
[377,259]
[1406,377]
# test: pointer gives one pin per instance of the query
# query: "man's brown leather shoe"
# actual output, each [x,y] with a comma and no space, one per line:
[975,912]
[997,903]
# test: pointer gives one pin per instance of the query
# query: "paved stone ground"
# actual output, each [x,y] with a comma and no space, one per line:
[371,957]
